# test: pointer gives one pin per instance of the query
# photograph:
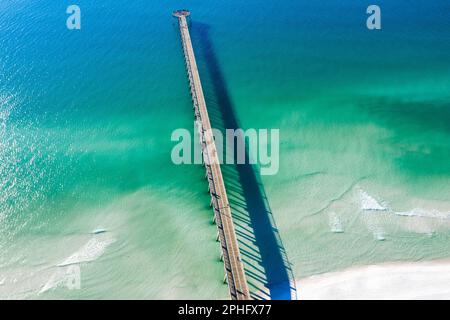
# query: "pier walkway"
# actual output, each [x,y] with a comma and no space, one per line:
[234,270]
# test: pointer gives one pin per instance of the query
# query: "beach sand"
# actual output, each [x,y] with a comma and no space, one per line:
[409,280]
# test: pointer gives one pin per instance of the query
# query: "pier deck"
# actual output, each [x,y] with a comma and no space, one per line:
[234,270]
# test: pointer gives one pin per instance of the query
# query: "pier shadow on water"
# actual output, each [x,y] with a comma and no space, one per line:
[268,271]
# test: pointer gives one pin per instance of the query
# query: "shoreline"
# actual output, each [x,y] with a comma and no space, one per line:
[391,280]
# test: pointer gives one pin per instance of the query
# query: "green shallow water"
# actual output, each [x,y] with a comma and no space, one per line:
[86,119]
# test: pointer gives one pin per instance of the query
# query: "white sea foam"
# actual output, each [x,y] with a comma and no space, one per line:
[68,272]
[419,212]
[419,220]
[335,223]
[67,276]
[92,250]
[368,202]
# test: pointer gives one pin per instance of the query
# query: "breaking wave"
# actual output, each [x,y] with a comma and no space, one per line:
[368,202]
[422,213]
[92,250]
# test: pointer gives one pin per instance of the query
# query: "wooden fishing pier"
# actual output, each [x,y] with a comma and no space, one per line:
[234,269]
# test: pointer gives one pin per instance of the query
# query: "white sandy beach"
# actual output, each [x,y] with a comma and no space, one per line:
[412,280]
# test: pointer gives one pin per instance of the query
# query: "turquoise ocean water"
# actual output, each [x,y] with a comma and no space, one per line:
[86,118]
